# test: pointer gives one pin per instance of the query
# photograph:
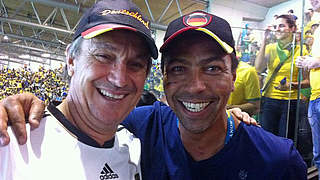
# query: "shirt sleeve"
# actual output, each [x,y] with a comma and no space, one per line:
[268,53]
[297,168]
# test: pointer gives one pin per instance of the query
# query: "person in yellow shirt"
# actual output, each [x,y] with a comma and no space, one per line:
[313,65]
[276,94]
[246,93]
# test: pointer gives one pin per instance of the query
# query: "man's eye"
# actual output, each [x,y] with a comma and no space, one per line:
[136,66]
[214,69]
[102,57]
[177,69]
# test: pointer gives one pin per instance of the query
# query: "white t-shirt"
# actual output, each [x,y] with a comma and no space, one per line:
[58,151]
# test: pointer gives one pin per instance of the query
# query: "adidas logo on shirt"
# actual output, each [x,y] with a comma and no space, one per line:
[107,173]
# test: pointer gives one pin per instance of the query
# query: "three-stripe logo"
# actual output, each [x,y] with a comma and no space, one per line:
[107,173]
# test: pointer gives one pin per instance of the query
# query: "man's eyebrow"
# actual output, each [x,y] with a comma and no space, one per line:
[142,57]
[103,45]
[211,59]
[178,60]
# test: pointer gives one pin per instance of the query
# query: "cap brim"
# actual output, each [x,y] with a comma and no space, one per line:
[227,48]
[102,28]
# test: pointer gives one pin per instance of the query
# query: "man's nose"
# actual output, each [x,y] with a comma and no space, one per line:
[118,75]
[196,83]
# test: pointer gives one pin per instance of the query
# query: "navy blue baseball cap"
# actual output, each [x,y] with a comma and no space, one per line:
[214,26]
[109,15]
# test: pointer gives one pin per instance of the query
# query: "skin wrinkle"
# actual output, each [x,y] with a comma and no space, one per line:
[75,108]
[107,46]
[119,71]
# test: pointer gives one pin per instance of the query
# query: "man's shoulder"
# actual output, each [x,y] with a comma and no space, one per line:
[277,155]
[266,143]
[258,133]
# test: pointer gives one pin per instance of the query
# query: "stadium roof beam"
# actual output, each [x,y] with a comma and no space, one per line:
[79,9]
[205,2]
[33,39]
[34,25]
[164,11]
[60,5]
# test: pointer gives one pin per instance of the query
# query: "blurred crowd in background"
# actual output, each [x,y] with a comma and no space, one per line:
[47,84]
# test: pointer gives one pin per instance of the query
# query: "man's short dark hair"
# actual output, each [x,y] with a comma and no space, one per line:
[289,19]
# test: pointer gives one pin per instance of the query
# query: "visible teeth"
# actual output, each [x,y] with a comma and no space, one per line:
[105,93]
[195,107]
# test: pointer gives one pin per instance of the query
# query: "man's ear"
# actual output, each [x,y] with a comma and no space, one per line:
[70,65]
[234,77]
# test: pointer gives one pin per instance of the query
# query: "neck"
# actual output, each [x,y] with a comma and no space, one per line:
[73,113]
[204,145]
[285,42]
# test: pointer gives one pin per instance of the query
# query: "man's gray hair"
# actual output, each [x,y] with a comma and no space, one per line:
[74,48]
[72,51]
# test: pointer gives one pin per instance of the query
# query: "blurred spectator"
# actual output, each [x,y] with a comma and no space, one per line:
[277,91]
[312,63]
[308,15]
[308,40]
[247,45]
[314,27]
[246,93]
[154,80]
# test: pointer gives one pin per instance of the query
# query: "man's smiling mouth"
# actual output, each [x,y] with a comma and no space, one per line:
[195,107]
[109,95]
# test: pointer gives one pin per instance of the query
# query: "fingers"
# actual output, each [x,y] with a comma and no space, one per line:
[236,112]
[299,61]
[244,117]
[254,122]
[16,116]
[14,108]
[4,136]
[36,112]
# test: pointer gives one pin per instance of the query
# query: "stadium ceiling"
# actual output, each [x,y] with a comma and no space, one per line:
[266,3]
[38,27]
[45,27]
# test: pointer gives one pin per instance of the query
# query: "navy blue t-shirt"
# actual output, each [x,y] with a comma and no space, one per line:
[251,153]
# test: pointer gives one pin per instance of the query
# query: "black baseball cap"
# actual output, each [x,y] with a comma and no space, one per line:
[108,15]
[214,26]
